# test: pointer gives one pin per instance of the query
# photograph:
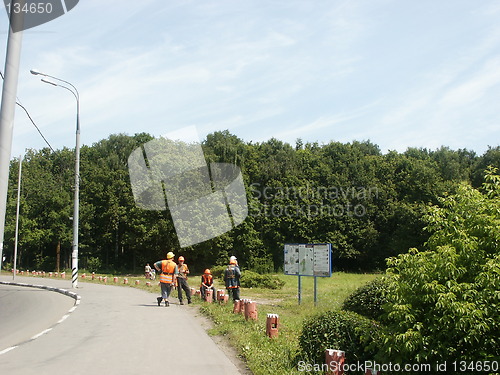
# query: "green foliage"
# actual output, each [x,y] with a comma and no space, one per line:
[218,271]
[443,304]
[306,193]
[341,330]
[367,300]
[94,264]
[250,279]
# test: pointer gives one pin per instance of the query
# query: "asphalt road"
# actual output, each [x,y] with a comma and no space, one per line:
[114,330]
[25,312]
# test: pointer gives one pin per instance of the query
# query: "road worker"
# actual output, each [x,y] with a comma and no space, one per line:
[182,283]
[168,274]
[232,276]
[207,282]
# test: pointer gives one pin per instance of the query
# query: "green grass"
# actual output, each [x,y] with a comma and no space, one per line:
[264,355]
[278,356]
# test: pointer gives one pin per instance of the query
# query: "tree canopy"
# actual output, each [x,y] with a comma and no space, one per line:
[369,205]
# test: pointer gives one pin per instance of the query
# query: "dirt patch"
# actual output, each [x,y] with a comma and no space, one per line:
[222,342]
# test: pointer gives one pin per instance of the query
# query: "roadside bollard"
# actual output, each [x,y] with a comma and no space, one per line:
[208,295]
[63,275]
[83,276]
[115,280]
[137,282]
[198,293]
[193,291]
[100,278]
[335,361]
[50,274]
[272,325]
[251,310]
[105,279]
[148,283]
[125,280]
[220,292]
[236,307]
[93,275]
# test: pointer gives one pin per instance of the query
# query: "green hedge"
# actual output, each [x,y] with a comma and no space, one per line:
[250,279]
[367,300]
[341,330]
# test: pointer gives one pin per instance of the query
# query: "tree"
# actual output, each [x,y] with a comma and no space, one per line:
[444,304]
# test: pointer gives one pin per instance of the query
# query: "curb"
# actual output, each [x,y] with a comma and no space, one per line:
[68,293]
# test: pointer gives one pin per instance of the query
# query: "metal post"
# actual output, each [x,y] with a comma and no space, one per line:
[315,290]
[17,216]
[300,290]
[76,208]
[7,111]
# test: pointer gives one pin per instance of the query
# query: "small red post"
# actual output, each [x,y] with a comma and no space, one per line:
[251,310]
[237,307]
[208,295]
[335,361]
[272,324]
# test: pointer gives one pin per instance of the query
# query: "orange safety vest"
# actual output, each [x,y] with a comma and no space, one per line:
[207,279]
[167,271]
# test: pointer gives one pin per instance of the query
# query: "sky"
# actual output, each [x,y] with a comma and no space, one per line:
[399,73]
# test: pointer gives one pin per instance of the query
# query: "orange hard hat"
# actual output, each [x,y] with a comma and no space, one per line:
[207,271]
[181,259]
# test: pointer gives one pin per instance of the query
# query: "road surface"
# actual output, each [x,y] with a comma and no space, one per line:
[114,330]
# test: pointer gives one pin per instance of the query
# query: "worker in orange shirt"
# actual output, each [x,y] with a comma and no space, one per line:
[168,274]
[207,282]
[182,283]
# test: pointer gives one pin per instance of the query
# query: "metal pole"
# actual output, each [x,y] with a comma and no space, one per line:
[76,208]
[315,290]
[17,216]
[7,111]
[300,290]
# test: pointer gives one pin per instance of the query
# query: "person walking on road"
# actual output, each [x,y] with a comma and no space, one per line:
[207,282]
[182,283]
[169,271]
[232,276]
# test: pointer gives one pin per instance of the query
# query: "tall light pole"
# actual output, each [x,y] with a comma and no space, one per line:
[7,109]
[76,209]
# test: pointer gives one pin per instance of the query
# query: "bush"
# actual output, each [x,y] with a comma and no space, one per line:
[367,300]
[250,279]
[218,272]
[341,330]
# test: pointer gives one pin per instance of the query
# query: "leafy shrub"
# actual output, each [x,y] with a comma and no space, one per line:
[218,271]
[341,330]
[367,300]
[250,279]
[443,304]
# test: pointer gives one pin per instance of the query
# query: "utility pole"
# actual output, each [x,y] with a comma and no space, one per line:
[7,109]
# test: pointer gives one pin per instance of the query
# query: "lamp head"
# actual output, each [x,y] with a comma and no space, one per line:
[49,82]
[36,72]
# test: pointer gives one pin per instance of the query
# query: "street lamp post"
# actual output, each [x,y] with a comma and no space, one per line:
[76,209]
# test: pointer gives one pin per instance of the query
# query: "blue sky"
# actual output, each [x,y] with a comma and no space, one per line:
[398,73]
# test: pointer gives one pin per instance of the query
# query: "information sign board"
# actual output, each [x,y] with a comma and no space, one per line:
[308,259]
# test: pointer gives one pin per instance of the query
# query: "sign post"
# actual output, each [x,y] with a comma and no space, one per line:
[308,260]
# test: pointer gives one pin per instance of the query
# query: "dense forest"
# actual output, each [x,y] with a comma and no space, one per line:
[367,204]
